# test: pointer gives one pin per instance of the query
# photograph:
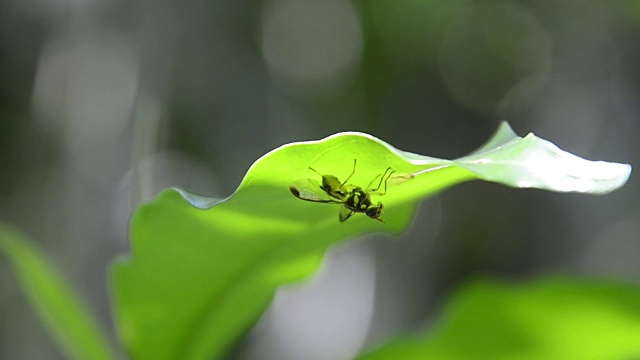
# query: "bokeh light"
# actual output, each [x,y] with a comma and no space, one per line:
[311,42]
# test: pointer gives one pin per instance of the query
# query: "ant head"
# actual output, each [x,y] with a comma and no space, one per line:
[375,211]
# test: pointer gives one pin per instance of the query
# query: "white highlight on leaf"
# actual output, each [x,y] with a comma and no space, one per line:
[532,162]
[529,162]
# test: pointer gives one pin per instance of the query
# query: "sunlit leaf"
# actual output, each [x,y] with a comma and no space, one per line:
[66,317]
[555,318]
[201,271]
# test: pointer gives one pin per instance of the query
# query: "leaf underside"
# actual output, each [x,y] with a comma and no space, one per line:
[201,271]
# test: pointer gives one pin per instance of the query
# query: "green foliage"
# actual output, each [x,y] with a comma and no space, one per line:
[66,317]
[202,271]
[556,318]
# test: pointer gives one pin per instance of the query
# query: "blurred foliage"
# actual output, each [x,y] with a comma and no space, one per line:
[58,306]
[550,318]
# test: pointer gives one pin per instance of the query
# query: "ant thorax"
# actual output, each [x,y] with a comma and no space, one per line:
[358,200]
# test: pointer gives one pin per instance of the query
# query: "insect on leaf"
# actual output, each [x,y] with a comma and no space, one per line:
[201,273]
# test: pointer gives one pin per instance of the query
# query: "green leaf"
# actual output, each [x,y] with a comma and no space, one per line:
[64,314]
[202,271]
[556,318]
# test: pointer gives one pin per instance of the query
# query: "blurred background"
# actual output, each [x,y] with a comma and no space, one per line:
[105,102]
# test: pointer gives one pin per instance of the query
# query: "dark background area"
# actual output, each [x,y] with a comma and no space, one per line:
[103,103]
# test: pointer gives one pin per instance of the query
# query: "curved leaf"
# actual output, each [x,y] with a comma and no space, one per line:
[555,318]
[202,270]
[68,320]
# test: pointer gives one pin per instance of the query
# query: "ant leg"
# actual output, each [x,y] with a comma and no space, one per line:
[381,180]
[352,172]
[369,188]
[386,181]
[345,214]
